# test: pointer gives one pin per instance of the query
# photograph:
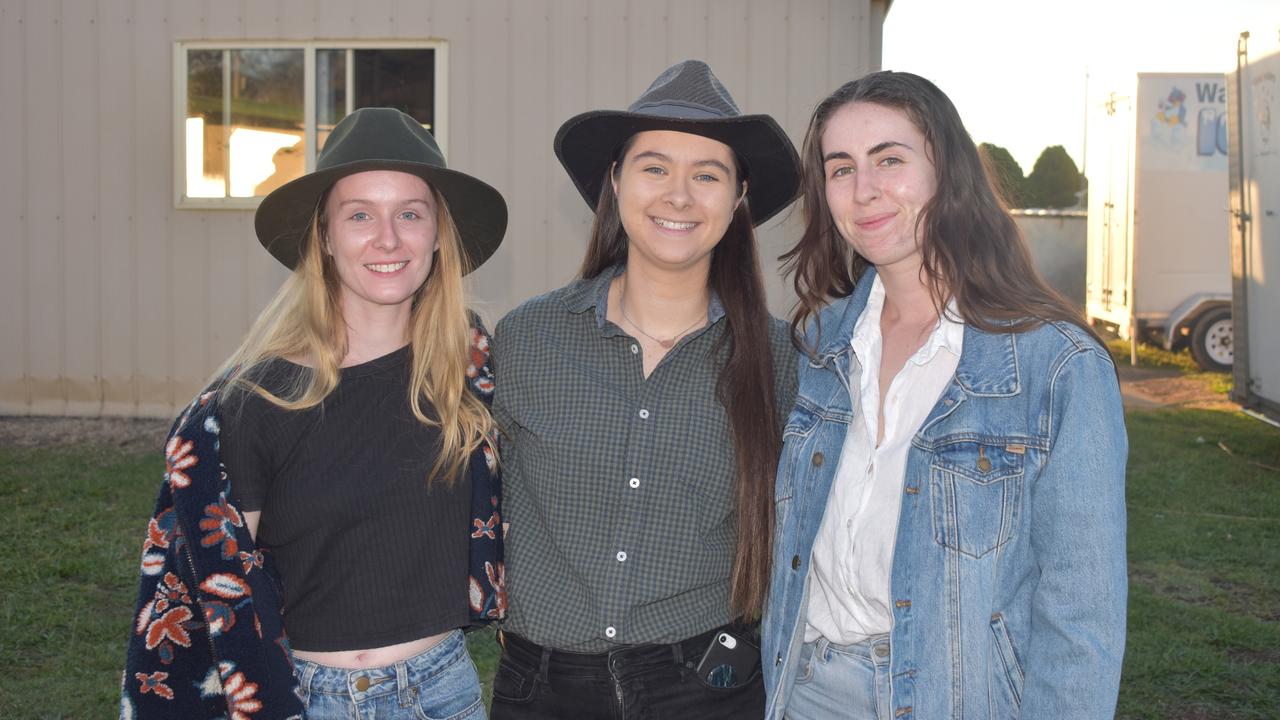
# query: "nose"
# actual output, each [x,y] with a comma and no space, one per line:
[678,195]
[866,187]
[388,236]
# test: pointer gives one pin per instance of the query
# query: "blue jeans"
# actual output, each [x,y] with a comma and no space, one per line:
[438,684]
[842,681]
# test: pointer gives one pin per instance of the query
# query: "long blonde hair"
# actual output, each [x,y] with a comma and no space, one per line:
[304,321]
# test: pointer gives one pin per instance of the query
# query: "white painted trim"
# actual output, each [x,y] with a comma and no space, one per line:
[440,121]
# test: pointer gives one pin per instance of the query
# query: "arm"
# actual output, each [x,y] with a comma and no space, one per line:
[1078,540]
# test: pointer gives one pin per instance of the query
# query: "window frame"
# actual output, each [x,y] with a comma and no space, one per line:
[440,125]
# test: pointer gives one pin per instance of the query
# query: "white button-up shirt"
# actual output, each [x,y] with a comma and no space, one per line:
[853,553]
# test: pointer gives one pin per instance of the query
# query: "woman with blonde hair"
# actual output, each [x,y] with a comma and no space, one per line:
[338,478]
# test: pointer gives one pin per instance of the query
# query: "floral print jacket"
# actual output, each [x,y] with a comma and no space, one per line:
[208,640]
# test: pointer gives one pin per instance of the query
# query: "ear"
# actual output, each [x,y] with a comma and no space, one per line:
[613,176]
[741,195]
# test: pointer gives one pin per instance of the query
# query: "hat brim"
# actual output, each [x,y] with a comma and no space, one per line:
[586,144]
[477,209]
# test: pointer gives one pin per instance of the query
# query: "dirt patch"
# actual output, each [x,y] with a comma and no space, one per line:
[126,433]
[1150,388]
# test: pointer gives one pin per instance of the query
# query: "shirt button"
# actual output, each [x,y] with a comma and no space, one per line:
[644,414]
[795,562]
[610,632]
[818,459]
[778,660]
[634,482]
[635,349]
[622,556]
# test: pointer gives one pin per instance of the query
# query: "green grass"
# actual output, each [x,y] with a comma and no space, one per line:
[1150,356]
[1204,567]
[1204,556]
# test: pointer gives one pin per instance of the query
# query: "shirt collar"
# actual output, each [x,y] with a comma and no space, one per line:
[947,334]
[588,293]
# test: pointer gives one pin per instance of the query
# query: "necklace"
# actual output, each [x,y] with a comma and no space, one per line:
[666,344]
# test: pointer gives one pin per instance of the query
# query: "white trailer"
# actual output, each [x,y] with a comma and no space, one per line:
[1158,268]
[1253,111]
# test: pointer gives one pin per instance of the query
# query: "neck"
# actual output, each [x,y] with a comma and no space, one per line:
[663,302]
[906,296]
[374,334]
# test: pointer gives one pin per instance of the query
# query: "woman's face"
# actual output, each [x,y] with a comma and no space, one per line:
[878,177]
[381,235]
[676,196]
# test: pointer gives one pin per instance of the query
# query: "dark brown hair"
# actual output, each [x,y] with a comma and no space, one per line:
[971,248]
[745,385]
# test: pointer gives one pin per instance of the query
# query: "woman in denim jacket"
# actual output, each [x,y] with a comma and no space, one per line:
[950,497]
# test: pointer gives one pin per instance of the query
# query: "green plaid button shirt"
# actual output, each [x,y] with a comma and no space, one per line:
[618,488]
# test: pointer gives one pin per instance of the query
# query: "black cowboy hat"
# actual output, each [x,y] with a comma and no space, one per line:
[688,98]
[382,139]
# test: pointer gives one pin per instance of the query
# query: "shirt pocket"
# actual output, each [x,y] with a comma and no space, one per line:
[797,455]
[976,492]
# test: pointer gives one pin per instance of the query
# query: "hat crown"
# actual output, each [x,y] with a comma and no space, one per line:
[379,134]
[687,90]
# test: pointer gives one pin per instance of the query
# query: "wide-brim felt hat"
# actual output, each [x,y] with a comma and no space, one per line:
[382,139]
[686,97]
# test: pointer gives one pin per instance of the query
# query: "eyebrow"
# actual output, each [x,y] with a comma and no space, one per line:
[879,148]
[665,158]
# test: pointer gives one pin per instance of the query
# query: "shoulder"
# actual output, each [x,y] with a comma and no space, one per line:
[1053,343]
[540,311]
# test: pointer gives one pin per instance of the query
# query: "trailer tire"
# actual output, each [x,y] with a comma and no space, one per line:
[1212,340]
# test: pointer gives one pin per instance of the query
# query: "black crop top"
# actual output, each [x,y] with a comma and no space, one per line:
[367,553]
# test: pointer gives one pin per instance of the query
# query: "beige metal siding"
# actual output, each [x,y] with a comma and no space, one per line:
[114,302]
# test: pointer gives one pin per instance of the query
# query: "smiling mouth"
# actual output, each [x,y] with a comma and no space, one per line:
[874,221]
[672,224]
[387,267]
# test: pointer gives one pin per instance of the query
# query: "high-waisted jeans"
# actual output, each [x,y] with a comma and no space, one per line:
[438,684]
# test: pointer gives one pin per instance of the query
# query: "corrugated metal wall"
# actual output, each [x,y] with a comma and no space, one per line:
[114,302]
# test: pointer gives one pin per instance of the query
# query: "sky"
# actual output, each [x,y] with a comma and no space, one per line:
[1016,69]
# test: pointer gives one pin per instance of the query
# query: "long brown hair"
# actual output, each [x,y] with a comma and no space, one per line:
[745,385]
[304,321]
[972,251]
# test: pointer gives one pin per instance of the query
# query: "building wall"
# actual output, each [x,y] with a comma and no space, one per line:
[1057,242]
[114,302]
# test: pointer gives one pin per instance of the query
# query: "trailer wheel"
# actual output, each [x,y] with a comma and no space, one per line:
[1211,340]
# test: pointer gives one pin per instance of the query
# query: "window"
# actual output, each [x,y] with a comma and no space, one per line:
[252,117]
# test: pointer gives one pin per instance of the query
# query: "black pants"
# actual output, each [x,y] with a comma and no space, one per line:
[649,682]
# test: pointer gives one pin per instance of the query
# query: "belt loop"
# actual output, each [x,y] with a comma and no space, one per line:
[544,671]
[677,654]
[402,684]
[502,640]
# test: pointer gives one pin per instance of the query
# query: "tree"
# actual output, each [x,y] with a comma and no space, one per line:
[1054,181]
[1006,173]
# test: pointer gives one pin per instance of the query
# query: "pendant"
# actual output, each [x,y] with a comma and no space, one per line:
[667,344]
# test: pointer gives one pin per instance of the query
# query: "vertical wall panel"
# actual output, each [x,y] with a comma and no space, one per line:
[727,49]
[15,395]
[153,199]
[43,102]
[485,131]
[607,49]
[297,19]
[335,18]
[411,19]
[530,155]
[647,45]
[115,197]
[569,219]
[687,31]
[261,19]
[78,198]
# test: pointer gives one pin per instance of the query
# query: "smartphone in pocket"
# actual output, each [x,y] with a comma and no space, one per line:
[729,661]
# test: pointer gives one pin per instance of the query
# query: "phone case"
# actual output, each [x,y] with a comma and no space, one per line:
[729,661]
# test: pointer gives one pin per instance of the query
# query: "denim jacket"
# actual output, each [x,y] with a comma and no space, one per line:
[1009,576]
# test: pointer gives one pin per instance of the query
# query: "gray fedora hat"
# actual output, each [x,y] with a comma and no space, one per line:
[382,139]
[687,97]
